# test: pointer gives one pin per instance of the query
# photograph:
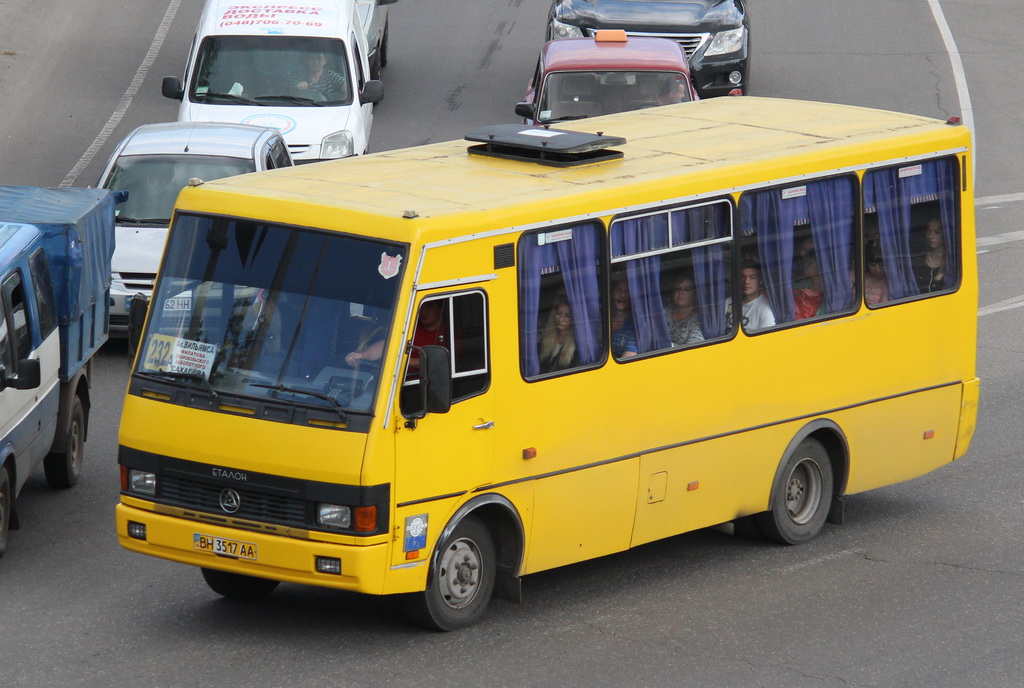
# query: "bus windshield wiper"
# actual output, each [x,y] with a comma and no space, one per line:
[317,395]
[195,377]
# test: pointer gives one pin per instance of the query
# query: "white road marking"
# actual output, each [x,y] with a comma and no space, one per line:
[126,99]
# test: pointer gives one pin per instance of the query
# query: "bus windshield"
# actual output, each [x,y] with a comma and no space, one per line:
[268,311]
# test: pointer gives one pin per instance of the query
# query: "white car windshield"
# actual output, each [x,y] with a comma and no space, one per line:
[153,182]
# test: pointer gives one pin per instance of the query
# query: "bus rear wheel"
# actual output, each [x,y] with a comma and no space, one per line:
[801,498]
[236,586]
[461,581]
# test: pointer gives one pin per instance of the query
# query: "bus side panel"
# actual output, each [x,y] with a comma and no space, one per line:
[889,440]
[704,484]
[582,515]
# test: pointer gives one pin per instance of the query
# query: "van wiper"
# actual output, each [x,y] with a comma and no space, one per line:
[206,97]
[125,220]
[318,395]
[195,377]
[295,100]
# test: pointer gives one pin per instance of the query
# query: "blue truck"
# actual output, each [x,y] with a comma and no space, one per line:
[55,251]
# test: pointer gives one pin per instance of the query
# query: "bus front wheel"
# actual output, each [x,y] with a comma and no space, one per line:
[800,498]
[236,586]
[461,581]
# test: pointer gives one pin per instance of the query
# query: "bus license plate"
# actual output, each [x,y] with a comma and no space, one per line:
[224,547]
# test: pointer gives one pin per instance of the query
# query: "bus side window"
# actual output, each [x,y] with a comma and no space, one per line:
[458,322]
[912,231]
[801,241]
[560,275]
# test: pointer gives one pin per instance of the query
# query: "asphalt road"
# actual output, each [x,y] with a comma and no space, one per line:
[921,587]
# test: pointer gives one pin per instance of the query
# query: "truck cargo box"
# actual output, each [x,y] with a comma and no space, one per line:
[78,226]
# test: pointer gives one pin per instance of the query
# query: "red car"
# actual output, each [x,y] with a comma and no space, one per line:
[584,77]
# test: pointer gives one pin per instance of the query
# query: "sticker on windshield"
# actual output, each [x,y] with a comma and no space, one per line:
[389,265]
[177,355]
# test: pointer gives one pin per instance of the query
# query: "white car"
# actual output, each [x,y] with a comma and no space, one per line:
[153,163]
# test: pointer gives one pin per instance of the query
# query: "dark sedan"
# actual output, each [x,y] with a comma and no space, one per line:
[714,33]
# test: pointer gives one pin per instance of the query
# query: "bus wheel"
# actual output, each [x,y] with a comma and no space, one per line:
[236,586]
[63,468]
[5,507]
[461,582]
[801,499]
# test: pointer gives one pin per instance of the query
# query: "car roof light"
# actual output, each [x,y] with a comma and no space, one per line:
[610,36]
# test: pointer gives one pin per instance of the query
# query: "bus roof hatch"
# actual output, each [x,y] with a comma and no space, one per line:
[555,147]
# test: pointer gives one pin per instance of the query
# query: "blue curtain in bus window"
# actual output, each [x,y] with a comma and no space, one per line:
[830,209]
[573,252]
[772,219]
[709,268]
[634,236]
[893,192]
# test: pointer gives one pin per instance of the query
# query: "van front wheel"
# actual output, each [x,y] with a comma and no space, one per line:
[461,581]
[6,495]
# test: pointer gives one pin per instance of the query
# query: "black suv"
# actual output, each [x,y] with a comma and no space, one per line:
[714,33]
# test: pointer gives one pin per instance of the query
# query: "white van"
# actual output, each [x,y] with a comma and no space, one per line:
[299,67]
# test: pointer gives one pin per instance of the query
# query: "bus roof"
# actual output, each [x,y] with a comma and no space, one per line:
[439,191]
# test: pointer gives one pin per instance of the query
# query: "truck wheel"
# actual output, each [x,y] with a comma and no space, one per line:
[63,468]
[461,582]
[5,508]
[236,586]
[801,499]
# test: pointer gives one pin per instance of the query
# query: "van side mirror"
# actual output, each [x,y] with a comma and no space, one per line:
[525,110]
[171,88]
[373,92]
[436,379]
[386,2]
[28,376]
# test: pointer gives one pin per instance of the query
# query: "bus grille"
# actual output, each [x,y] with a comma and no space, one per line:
[255,506]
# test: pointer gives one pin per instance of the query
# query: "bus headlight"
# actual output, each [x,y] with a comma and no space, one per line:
[726,42]
[560,30]
[141,482]
[337,145]
[334,515]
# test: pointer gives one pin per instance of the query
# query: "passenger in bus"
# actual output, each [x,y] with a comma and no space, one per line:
[876,285]
[624,344]
[808,300]
[557,345]
[681,312]
[757,311]
[804,248]
[930,267]
[429,331]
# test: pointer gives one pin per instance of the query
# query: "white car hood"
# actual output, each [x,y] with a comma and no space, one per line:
[138,249]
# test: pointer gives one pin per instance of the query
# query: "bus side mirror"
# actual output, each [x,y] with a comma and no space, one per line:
[136,320]
[171,88]
[28,377]
[525,110]
[436,379]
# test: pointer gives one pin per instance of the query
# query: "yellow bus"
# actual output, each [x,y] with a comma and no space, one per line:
[432,371]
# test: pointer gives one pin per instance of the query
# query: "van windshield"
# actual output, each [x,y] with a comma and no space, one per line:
[153,182]
[271,70]
[269,311]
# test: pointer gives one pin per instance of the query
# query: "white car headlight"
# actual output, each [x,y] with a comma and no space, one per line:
[560,30]
[337,145]
[726,42]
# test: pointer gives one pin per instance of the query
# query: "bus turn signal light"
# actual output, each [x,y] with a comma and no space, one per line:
[365,519]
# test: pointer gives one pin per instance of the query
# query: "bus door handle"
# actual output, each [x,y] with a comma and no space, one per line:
[484,426]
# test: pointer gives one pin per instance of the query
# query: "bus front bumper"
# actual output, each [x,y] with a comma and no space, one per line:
[362,568]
